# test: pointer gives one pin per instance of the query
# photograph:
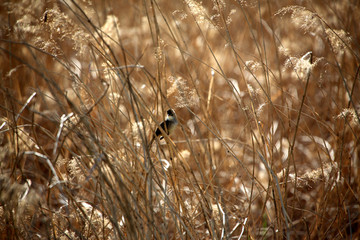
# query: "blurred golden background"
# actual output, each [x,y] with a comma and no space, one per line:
[266,93]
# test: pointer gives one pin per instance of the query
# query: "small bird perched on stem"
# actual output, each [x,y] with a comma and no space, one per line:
[168,126]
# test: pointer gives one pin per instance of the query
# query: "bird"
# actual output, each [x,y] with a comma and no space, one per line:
[167,126]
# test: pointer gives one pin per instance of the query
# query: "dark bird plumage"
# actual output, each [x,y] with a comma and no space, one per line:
[167,126]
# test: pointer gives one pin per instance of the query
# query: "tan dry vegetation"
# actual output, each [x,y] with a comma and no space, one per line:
[266,93]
